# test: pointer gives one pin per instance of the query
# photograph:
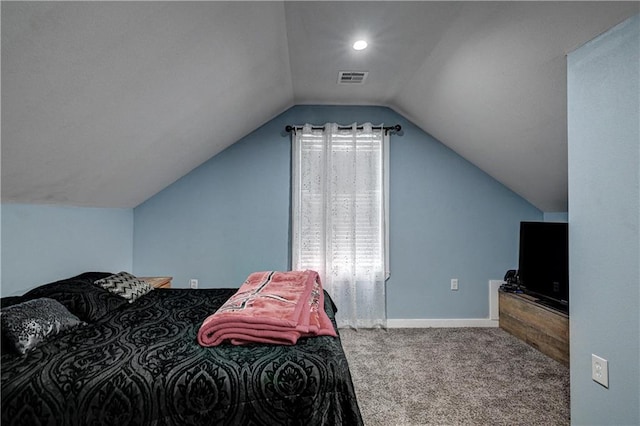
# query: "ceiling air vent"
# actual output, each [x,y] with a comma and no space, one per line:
[352,77]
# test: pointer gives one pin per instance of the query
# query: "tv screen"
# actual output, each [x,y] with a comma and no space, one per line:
[543,264]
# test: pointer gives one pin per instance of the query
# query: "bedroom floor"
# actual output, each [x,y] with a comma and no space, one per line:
[454,376]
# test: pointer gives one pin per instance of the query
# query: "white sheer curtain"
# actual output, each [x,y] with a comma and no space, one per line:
[339,216]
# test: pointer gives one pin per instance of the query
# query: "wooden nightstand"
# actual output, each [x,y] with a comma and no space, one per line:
[158,282]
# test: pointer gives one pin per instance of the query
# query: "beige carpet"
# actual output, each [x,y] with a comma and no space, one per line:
[454,376]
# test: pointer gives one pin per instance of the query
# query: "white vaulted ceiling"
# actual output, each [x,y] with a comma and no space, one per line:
[105,104]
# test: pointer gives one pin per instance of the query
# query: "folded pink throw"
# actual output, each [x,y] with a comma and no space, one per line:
[270,307]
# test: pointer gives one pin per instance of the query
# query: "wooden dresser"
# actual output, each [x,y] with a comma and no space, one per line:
[158,282]
[544,328]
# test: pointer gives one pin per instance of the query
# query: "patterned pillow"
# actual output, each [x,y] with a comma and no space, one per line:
[5,345]
[125,285]
[28,324]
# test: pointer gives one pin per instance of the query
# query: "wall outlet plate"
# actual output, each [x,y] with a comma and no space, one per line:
[600,370]
[454,283]
[193,283]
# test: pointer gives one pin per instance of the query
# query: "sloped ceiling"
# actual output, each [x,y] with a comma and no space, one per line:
[105,104]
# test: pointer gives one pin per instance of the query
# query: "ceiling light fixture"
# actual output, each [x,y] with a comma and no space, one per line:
[360,45]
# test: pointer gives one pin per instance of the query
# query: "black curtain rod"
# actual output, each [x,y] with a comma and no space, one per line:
[392,129]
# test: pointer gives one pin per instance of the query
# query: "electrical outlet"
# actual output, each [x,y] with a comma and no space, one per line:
[193,283]
[454,283]
[600,370]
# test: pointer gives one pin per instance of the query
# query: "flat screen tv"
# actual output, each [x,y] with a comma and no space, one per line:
[543,263]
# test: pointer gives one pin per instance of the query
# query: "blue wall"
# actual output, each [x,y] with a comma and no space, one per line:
[41,244]
[555,217]
[604,209]
[230,217]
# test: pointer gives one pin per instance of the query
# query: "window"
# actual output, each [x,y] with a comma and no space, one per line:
[339,216]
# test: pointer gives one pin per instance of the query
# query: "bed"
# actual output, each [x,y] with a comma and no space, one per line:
[140,364]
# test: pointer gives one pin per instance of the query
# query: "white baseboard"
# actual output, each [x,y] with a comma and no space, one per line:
[441,323]
[490,322]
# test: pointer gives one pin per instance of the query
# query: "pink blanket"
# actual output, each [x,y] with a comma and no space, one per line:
[270,307]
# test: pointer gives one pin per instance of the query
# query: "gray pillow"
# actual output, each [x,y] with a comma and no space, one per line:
[125,285]
[31,323]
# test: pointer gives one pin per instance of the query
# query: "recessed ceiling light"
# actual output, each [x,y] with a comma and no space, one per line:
[360,45]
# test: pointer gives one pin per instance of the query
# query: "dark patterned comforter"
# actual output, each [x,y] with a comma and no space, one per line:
[141,365]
